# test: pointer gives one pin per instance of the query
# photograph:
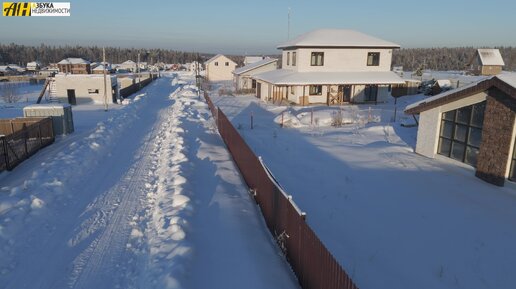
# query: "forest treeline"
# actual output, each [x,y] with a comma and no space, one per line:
[21,54]
[410,58]
[456,58]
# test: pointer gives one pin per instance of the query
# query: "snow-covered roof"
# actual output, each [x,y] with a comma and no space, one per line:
[99,67]
[490,57]
[464,91]
[254,65]
[5,68]
[215,58]
[252,59]
[337,38]
[289,77]
[444,83]
[73,60]
[128,62]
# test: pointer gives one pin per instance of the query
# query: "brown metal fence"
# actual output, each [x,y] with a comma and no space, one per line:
[313,264]
[21,138]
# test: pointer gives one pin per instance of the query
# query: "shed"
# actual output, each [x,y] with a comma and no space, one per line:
[474,124]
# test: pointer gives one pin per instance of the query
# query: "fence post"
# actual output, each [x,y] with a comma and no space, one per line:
[40,134]
[6,152]
[25,137]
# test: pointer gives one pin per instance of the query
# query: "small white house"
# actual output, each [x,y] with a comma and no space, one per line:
[474,124]
[252,59]
[33,66]
[220,68]
[128,65]
[486,62]
[243,75]
[194,65]
[83,88]
[331,66]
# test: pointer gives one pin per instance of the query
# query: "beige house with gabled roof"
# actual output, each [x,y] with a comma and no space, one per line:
[331,66]
[219,68]
[486,62]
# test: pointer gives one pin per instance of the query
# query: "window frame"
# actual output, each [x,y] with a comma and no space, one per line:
[216,63]
[455,140]
[314,59]
[375,60]
[315,90]
[294,58]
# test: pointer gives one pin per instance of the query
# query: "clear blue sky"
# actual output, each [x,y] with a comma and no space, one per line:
[256,27]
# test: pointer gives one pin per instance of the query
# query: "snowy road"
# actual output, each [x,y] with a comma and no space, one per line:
[149,199]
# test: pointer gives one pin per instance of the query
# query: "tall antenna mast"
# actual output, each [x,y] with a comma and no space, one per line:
[105,80]
[288,25]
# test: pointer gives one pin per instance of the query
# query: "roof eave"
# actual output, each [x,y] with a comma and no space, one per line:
[292,47]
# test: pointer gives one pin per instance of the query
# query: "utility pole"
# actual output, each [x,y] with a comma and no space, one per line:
[138,70]
[288,25]
[105,78]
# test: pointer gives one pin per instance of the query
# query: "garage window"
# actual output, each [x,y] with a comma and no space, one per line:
[461,133]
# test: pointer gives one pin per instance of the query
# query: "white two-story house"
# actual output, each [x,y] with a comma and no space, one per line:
[331,66]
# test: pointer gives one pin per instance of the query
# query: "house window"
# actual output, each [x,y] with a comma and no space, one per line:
[292,91]
[371,92]
[253,84]
[288,58]
[512,172]
[294,58]
[93,91]
[373,59]
[216,63]
[227,63]
[461,133]
[315,89]
[317,59]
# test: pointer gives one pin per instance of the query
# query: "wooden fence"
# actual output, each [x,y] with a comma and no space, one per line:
[21,138]
[314,266]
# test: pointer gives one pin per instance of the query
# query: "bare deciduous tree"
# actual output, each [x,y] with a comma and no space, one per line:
[9,92]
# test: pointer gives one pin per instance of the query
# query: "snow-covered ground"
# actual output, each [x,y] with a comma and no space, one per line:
[392,218]
[142,196]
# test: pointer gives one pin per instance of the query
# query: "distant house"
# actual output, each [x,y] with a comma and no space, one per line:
[441,85]
[7,71]
[486,62]
[50,70]
[33,66]
[194,65]
[128,65]
[99,69]
[17,68]
[331,66]
[243,75]
[219,68]
[474,124]
[74,66]
[252,59]
[143,66]
[79,88]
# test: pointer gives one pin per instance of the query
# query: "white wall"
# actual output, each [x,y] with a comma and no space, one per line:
[430,124]
[220,72]
[338,60]
[511,151]
[246,75]
[81,84]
